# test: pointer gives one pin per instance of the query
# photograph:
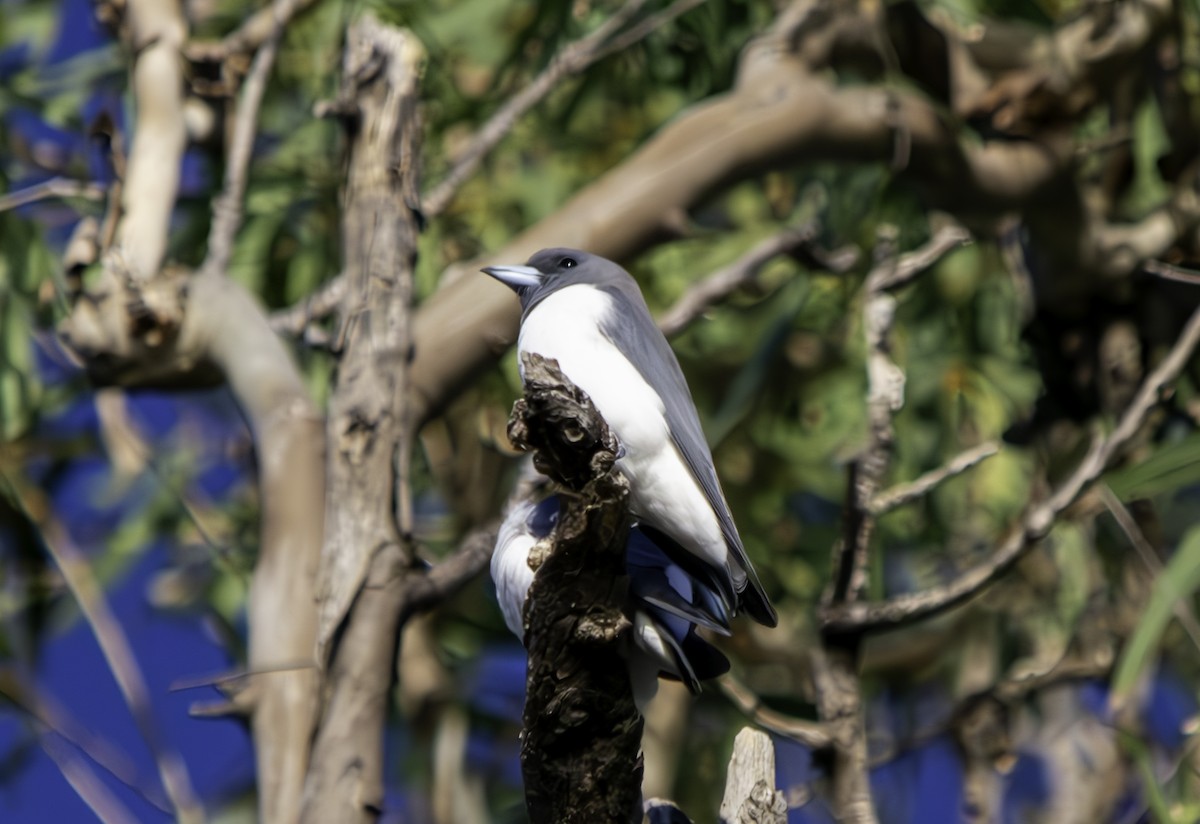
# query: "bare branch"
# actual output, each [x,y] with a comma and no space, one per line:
[255,30]
[901,494]
[705,293]
[1169,271]
[813,734]
[227,208]
[367,559]
[570,61]
[474,552]
[322,303]
[750,794]
[54,187]
[885,396]
[905,609]
[156,30]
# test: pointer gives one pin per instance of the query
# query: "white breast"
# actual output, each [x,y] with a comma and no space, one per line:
[566,326]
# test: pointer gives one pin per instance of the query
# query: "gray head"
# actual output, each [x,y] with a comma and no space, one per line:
[552,269]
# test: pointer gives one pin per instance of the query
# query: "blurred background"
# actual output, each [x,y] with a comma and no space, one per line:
[1066,692]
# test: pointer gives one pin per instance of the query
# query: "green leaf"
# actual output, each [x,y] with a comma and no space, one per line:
[1179,580]
[1173,466]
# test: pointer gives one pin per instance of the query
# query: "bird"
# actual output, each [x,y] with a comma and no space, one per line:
[667,604]
[588,314]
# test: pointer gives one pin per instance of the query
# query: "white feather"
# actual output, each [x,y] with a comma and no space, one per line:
[566,326]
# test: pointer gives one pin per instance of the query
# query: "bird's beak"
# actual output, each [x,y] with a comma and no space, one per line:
[515,276]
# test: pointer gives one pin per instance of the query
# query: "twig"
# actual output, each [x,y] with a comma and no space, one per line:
[474,552]
[905,609]
[652,22]
[813,734]
[573,59]
[912,264]
[703,294]
[254,30]
[1169,271]
[296,320]
[54,187]
[901,494]
[1123,517]
[885,396]
[227,208]
[77,574]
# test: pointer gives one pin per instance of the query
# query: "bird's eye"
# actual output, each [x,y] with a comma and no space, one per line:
[567,263]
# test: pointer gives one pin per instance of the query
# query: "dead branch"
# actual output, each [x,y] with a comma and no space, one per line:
[367,558]
[750,794]
[905,609]
[580,746]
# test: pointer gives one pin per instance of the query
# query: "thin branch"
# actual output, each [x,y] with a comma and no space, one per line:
[648,26]
[1169,271]
[905,609]
[885,396]
[254,30]
[703,294]
[227,208]
[474,552]
[813,734]
[572,60]
[901,494]
[298,320]
[1125,520]
[944,240]
[61,187]
[114,644]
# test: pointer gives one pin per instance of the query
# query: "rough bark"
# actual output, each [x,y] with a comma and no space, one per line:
[580,748]
[367,555]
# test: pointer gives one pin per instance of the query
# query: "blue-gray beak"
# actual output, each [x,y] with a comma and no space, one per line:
[515,276]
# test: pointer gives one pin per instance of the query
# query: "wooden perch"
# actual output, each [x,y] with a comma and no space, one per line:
[580,752]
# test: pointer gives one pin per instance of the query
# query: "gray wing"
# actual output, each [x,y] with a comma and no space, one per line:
[633,331]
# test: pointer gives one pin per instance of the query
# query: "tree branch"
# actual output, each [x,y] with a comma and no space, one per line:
[900,494]
[812,734]
[905,609]
[61,187]
[367,559]
[580,746]
[725,281]
[227,208]
[156,31]
[570,61]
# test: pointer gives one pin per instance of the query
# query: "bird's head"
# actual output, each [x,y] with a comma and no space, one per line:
[552,269]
